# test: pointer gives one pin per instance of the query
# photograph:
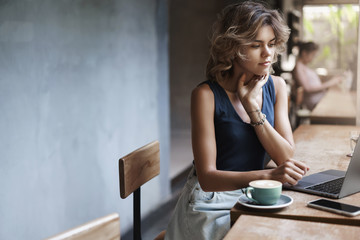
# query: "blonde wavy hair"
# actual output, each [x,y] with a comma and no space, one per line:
[235,29]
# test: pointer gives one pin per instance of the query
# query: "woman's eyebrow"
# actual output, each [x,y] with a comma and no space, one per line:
[263,41]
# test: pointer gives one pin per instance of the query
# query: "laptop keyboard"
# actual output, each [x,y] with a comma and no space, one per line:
[333,186]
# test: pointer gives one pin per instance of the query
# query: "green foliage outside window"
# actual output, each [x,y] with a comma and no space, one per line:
[335,29]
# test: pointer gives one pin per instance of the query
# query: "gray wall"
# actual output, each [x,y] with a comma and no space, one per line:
[190,25]
[82,83]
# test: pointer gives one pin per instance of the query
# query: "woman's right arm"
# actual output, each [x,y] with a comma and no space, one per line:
[204,150]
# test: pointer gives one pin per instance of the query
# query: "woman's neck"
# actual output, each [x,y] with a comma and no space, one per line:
[231,83]
[303,61]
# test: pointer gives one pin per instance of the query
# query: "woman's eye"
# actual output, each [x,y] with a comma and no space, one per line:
[272,45]
[255,46]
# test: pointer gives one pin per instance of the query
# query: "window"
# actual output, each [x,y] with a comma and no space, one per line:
[335,29]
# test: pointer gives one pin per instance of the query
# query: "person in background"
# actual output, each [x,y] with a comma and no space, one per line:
[314,88]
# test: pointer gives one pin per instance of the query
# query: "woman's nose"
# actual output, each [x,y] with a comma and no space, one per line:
[266,51]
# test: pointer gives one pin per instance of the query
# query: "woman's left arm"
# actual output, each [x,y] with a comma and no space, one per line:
[278,141]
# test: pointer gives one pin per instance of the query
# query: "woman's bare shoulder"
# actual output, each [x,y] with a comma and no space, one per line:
[202,91]
[278,80]
[279,83]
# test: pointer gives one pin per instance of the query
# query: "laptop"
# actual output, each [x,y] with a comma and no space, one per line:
[333,183]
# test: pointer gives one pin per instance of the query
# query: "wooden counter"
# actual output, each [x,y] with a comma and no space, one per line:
[321,147]
[253,227]
[336,107]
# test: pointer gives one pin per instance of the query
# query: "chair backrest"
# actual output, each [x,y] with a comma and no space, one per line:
[104,228]
[299,96]
[138,167]
[135,169]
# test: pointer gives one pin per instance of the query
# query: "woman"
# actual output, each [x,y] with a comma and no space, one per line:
[304,76]
[238,115]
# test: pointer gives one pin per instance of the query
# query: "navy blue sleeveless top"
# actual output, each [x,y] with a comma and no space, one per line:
[238,147]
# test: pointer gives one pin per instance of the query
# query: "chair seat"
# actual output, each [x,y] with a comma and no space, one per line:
[304,113]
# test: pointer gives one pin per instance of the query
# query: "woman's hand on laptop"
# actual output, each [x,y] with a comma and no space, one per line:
[291,171]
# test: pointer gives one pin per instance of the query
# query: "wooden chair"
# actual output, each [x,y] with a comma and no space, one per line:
[302,113]
[135,169]
[104,228]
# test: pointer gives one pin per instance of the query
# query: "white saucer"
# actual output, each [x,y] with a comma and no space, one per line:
[283,201]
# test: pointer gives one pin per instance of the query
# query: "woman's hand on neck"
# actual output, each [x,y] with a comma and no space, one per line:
[231,84]
[249,91]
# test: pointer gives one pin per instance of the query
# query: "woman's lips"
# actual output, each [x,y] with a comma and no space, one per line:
[267,63]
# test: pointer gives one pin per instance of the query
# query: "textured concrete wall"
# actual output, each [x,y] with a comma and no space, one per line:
[82,83]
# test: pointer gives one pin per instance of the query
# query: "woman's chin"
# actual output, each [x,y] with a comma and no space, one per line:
[261,73]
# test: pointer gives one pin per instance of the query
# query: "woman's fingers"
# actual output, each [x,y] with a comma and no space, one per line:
[296,169]
[297,172]
[258,82]
[302,166]
[248,91]
[295,175]
[290,180]
[292,171]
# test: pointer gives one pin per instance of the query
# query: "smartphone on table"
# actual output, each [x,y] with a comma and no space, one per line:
[335,207]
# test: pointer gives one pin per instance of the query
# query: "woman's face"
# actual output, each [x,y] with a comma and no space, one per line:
[307,57]
[260,54]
